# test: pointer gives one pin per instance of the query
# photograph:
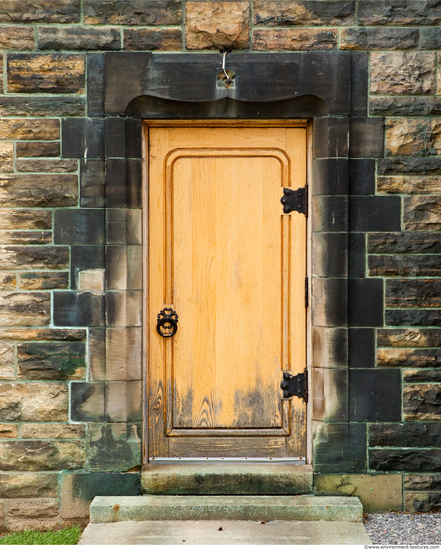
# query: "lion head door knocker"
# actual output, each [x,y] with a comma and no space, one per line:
[167,324]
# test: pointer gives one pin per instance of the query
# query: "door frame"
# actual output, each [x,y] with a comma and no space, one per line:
[213,123]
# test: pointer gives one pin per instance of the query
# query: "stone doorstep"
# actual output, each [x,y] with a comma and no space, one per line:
[208,507]
[227,479]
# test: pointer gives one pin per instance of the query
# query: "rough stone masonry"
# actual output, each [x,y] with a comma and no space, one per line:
[70,270]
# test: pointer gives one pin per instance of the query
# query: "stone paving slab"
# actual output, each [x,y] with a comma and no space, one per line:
[226,533]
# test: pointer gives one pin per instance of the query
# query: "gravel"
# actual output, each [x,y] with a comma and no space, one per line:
[400,528]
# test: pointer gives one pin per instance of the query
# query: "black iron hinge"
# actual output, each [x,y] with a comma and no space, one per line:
[295,200]
[306,293]
[296,385]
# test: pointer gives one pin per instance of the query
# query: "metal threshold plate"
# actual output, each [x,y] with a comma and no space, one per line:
[219,460]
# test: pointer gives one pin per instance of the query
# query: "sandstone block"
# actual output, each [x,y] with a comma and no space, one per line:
[87,402]
[42,106]
[409,185]
[410,73]
[411,337]
[396,357]
[114,447]
[28,485]
[25,308]
[6,353]
[423,375]
[40,402]
[43,280]
[123,401]
[409,165]
[8,431]
[422,402]
[422,213]
[413,293]
[214,25]
[430,38]
[393,243]
[51,361]
[8,281]
[46,165]
[32,508]
[37,149]
[407,106]
[34,257]
[43,334]
[6,157]
[132,12]
[416,502]
[42,11]
[20,128]
[90,279]
[97,354]
[411,434]
[7,372]
[407,265]
[25,219]
[295,39]
[413,317]
[24,237]
[153,39]
[422,482]
[48,190]
[77,38]
[407,460]
[46,73]
[17,38]
[379,39]
[281,13]
[123,353]
[411,137]
[398,12]
[52,431]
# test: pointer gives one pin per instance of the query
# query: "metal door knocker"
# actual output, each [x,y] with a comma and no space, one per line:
[167,324]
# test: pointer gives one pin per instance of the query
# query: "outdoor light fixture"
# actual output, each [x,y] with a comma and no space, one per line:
[225,78]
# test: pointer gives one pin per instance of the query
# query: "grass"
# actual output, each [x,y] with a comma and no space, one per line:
[70,535]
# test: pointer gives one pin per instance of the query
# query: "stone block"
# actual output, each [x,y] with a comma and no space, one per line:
[295,39]
[409,434]
[430,39]
[405,265]
[95,84]
[362,175]
[50,105]
[40,11]
[411,73]
[46,73]
[339,447]
[6,157]
[34,257]
[37,149]
[405,106]
[215,25]
[416,502]
[79,226]
[25,455]
[416,317]
[86,259]
[123,350]
[422,482]
[51,361]
[330,394]
[326,263]
[153,39]
[330,213]
[398,12]
[405,460]
[413,293]
[29,129]
[28,485]
[78,38]
[409,185]
[17,38]
[379,39]
[329,347]
[374,395]
[422,402]
[132,12]
[124,267]
[422,213]
[331,137]
[46,165]
[409,165]
[407,357]
[52,431]
[43,280]
[361,348]
[82,138]
[124,309]
[376,213]
[424,375]
[378,493]
[8,431]
[48,190]
[92,182]
[330,176]
[365,302]
[25,219]
[114,447]
[90,279]
[87,402]
[25,308]
[39,402]
[366,138]
[97,354]
[357,255]
[308,13]
[8,281]
[123,226]
[411,137]
[6,353]
[123,401]
[329,302]
[32,508]
[7,372]
[82,309]
[43,334]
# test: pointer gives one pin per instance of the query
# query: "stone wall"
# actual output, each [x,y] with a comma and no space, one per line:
[70,408]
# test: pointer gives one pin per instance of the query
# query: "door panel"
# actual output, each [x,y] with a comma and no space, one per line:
[232,265]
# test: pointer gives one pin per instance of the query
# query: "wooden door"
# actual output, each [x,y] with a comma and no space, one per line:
[222,254]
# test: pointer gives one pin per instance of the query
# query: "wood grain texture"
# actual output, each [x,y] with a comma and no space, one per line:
[224,256]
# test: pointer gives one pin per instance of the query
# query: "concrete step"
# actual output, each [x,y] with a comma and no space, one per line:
[205,507]
[227,479]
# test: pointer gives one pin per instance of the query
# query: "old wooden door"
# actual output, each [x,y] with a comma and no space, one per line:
[225,258]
